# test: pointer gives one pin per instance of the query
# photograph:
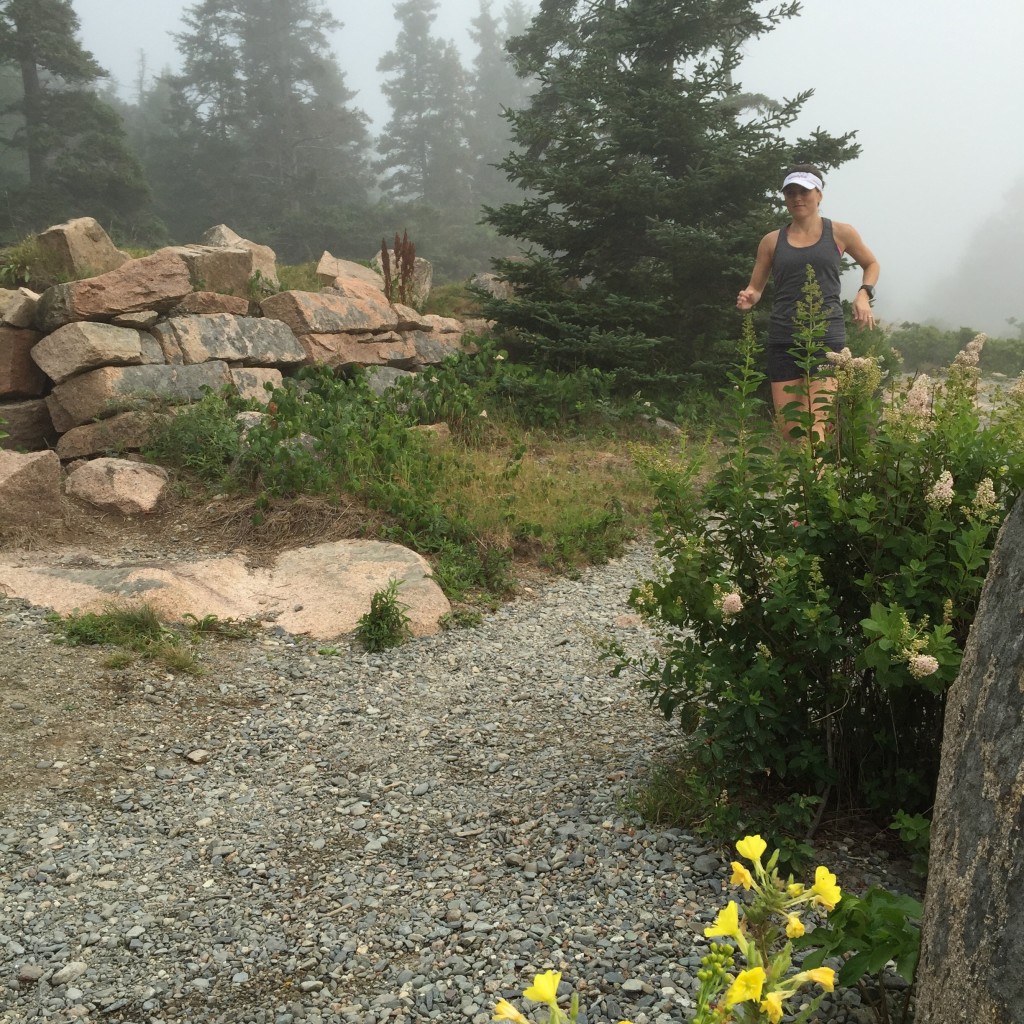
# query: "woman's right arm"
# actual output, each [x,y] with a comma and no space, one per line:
[749,297]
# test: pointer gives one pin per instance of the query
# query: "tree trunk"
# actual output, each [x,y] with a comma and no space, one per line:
[33,122]
[972,955]
[33,104]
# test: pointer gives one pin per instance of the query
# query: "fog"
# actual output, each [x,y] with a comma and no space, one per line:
[938,191]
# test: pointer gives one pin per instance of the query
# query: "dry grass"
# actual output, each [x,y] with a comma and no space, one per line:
[231,523]
[556,484]
[242,523]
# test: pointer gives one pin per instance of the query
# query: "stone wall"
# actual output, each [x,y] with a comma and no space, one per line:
[81,362]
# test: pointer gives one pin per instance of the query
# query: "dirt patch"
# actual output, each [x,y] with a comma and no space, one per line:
[75,720]
[219,524]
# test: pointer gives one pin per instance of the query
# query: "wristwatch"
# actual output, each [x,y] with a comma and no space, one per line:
[870,289]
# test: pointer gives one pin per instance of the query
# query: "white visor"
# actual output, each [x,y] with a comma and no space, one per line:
[804,178]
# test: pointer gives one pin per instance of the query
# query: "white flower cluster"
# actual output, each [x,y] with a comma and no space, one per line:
[846,360]
[922,665]
[985,500]
[914,406]
[941,493]
[971,354]
[644,600]
[919,397]
[732,605]
[841,358]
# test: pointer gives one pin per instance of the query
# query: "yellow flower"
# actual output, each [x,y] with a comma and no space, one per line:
[727,923]
[506,1011]
[545,988]
[748,985]
[741,876]
[795,889]
[824,976]
[772,1005]
[794,926]
[826,893]
[751,847]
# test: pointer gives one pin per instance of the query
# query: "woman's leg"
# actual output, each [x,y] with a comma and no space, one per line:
[815,398]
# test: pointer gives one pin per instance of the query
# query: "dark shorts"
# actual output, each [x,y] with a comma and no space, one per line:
[784,365]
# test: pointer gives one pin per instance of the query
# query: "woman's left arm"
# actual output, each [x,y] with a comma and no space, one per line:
[852,244]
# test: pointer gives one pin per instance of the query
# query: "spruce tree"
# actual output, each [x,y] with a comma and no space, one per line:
[495,88]
[424,155]
[649,177]
[261,122]
[75,158]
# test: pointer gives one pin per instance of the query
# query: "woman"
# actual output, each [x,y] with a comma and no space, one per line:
[784,254]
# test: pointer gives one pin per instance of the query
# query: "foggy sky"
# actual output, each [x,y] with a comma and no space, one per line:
[938,192]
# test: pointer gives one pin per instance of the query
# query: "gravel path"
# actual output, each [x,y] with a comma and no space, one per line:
[360,838]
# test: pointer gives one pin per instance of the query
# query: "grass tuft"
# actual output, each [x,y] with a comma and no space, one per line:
[138,631]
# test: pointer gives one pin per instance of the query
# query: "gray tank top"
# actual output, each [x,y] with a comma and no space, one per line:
[789,272]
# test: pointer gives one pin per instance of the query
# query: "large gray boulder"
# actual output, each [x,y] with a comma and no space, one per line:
[320,591]
[77,248]
[113,389]
[126,432]
[432,347]
[361,307]
[29,489]
[249,341]
[493,285]
[211,302]
[250,382]
[27,424]
[118,485]
[337,350]
[264,259]
[330,268]
[19,375]
[216,268]
[75,348]
[18,307]
[972,940]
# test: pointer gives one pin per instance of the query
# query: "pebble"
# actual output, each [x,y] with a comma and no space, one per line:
[409,835]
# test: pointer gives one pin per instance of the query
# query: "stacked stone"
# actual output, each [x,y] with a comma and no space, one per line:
[86,365]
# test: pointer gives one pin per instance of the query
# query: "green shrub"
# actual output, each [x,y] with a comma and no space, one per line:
[202,438]
[27,263]
[817,595]
[1003,355]
[467,388]
[452,300]
[385,624]
[915,832]
[925,348]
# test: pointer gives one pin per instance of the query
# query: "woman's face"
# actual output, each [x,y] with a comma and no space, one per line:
[800,199]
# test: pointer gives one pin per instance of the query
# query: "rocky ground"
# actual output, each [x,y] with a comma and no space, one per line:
[310,833]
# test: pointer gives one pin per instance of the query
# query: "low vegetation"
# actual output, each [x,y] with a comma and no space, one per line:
[539,467]
[139,631]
